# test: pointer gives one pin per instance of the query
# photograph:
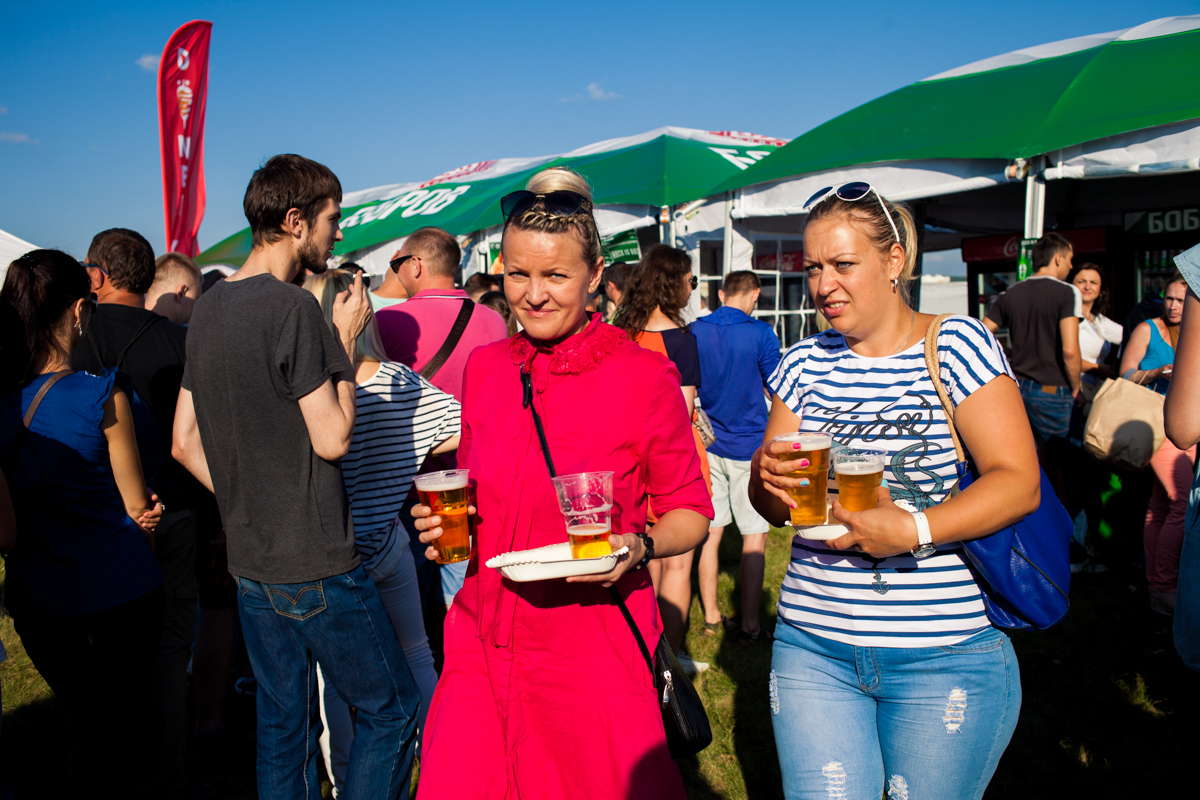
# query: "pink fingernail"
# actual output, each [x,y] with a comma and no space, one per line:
[804,462]
[796,445]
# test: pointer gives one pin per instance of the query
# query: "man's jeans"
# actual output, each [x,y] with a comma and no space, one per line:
[340,622]
[1049,413]
[923,721]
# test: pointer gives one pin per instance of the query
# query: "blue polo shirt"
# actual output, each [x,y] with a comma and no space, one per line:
[737,355]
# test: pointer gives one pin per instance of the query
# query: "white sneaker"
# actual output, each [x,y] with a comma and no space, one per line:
[692,668]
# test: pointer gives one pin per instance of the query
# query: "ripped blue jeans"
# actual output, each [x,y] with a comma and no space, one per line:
[925,722]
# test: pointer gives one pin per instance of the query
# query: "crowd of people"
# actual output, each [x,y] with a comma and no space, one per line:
[182,449]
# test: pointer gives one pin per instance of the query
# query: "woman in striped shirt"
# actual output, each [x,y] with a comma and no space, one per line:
[885,669]
[401,419]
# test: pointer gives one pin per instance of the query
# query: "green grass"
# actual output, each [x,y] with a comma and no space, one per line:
[1108,706]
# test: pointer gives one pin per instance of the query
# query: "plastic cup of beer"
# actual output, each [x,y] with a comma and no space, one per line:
[585,500]
[447,494]
[811,497]
[859,476]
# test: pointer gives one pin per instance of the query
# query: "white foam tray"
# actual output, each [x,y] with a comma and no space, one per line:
[550,562]
[823,532]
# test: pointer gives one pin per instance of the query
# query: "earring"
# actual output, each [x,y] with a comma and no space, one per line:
[79,327]
[895,285]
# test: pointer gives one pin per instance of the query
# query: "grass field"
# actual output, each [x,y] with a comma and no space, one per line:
[1107,709]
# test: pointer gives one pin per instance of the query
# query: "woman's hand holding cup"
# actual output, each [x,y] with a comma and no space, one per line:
[430,528]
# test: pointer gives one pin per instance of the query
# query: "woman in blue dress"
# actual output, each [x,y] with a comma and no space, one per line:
[82,583]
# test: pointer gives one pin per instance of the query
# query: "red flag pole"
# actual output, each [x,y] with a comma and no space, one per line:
[182,99]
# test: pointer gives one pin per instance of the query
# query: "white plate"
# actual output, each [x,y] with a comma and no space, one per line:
[831,530]
[549,562]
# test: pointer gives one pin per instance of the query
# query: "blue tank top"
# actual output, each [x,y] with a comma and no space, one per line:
[77,550]
[1158,354]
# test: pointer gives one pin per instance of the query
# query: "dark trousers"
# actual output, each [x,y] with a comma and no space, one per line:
[175,550]
[99,665]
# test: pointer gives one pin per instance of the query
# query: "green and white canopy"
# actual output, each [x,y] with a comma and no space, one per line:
[631,178]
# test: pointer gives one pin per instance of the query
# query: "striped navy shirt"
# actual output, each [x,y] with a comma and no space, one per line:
[401,417]
[889,404]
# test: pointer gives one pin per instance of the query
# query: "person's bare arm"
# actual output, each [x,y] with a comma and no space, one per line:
[329,410]
[1135,351]
[8,518]
[186,447]
[689,398]
[447,446]
[1069,329]
[123,454]
[1181,415]
[768,475]
[991,324]
[995,431]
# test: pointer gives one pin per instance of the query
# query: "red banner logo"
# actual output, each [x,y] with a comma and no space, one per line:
[182,92]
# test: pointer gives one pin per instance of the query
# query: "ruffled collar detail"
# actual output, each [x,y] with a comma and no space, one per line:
[580,353]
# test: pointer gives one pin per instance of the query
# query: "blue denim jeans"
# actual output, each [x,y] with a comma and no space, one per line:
[1049,414]
[924,721]
[340,622]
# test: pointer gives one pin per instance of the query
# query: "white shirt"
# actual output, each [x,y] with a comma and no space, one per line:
[1096,340]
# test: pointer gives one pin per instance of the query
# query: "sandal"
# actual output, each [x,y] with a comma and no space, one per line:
[713,628]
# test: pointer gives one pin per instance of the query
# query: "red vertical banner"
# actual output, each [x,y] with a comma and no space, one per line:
[182,96]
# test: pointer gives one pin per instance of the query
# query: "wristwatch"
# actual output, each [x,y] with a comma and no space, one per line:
[925,546]
[649,545]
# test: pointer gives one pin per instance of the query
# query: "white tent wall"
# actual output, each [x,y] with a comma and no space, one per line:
[11,248]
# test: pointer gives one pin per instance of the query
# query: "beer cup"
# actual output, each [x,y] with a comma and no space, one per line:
[585,500]
[811,497]
[859,476]
[447,494]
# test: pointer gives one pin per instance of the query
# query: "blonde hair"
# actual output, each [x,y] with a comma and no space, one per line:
[582,224]
[326,287]
[874,222]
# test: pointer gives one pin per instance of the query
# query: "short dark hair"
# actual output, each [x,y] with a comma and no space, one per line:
[127,258]
[1048,247]
[285,182]
[480,280]
[438,250]
[740,281]
[618,274]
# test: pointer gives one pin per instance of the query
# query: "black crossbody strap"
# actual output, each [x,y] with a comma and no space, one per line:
[452,339]
[120,358]
[527,401]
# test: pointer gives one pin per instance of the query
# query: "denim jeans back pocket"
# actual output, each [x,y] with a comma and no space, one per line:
[296,600]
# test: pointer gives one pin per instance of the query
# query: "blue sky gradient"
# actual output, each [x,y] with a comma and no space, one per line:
[389,92]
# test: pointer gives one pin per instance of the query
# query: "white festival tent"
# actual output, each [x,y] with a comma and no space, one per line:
[11,248]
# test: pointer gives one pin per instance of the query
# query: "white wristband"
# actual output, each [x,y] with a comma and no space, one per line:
[924,537]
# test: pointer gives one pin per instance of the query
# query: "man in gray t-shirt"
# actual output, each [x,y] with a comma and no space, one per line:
[266,412]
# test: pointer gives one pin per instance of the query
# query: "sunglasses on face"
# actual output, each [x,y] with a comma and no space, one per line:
[557,204]
[693,281]
[851,192]
[396,263]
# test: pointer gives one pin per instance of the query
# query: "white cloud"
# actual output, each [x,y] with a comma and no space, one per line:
[598,92]
[16,138]
[148,62]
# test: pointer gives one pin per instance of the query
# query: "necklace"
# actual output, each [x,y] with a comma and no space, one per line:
[912,319]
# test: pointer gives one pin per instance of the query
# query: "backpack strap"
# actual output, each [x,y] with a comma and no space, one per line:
[452,339]
[145,327]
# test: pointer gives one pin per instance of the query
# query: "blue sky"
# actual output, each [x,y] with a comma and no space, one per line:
[389,92]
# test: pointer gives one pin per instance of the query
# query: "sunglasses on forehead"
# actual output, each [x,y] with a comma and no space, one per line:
[562,203]
[851,193]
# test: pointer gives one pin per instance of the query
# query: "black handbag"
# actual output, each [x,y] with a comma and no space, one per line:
[684,718]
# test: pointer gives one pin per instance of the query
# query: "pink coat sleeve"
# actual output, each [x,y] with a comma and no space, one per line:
[673,476]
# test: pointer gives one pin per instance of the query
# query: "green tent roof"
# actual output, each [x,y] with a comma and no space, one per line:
[1021,104]
[667,166]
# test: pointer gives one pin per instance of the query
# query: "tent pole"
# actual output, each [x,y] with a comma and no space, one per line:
[727,247]
[1035,200]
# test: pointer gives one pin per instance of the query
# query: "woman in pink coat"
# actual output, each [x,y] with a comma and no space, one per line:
[544,693]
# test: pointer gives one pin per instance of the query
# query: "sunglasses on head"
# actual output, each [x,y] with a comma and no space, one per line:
[557,204]
[852,192]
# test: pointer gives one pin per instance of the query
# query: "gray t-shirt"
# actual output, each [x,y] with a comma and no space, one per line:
[254,348]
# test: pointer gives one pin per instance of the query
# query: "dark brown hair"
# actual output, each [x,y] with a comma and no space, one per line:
[126,256]
[1047,247]
[497,302]
[438,250]
[656,282]
[39,288]
[740,281]
[285,182]
[1100,304]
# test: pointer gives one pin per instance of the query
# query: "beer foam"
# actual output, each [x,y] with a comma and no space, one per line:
[440,484]
[808,441]
[858,468]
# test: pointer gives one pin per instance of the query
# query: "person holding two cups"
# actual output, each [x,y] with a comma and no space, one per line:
[544,692]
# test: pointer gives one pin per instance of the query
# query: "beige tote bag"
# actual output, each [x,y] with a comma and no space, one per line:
[1125,428]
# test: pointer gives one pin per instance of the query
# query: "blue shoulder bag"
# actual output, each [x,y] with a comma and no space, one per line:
[1024,570]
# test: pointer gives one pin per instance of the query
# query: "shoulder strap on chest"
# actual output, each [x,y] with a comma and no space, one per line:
[452,340]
